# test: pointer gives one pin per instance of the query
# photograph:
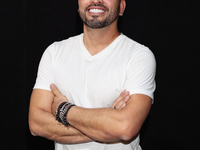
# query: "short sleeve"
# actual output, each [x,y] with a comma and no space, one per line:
[141,72]
[45,74]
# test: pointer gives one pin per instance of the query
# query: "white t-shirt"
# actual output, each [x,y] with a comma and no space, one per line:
[96,81]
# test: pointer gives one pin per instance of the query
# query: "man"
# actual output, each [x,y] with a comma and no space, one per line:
[109,78]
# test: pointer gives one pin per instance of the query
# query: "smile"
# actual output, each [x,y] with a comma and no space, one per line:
[96,11]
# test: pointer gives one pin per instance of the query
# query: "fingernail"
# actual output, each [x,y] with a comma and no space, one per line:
[52,85]
[127,92]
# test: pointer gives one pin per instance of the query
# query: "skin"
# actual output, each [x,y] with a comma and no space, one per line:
[42,121]
[95,22]
[97,39]
[107,124]
[87,125]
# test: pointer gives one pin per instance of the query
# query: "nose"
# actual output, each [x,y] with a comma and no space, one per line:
[97,1]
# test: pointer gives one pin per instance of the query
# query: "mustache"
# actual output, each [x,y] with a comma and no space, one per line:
[101,5]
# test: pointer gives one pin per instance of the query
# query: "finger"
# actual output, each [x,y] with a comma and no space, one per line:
[121,97]
[126,99]
[118,105]
[121,104]
[54,90]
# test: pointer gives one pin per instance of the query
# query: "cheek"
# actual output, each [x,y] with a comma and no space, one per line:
[83,3]
[82,15]
[81,6]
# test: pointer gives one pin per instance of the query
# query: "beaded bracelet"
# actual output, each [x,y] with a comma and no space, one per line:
[61,112]
[64,120]
[58,111]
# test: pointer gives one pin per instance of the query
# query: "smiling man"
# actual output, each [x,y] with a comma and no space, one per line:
[97,11]
[107,81]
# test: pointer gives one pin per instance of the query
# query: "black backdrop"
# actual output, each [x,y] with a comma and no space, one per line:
[168,28]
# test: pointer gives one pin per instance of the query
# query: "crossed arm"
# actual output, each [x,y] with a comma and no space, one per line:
[104,124]
[42,122]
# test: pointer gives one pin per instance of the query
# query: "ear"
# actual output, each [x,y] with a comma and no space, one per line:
[122,7]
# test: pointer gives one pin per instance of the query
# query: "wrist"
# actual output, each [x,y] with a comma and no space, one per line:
[62,111]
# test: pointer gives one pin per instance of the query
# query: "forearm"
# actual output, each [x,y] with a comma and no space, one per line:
[108,124]
[43,123]
[100,124]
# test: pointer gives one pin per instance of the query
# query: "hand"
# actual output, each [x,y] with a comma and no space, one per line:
[58,99]
[121,101]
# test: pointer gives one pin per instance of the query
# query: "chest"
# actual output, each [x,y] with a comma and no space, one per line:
[91,83]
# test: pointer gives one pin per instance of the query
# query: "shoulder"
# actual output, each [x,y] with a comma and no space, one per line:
[134,45]
[136,50]
[68,41]
[61,47]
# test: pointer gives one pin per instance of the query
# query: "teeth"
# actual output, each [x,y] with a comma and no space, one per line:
[96,10]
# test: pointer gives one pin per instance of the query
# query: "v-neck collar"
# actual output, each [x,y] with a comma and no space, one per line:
[102,53]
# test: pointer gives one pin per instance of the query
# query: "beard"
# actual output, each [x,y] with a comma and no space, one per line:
[94,22]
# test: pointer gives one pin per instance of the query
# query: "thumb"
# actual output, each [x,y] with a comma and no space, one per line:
[54,90]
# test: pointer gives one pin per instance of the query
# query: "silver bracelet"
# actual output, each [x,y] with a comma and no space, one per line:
[58,111]
[64,114]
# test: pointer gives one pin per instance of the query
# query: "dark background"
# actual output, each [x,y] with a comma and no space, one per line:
[168,28]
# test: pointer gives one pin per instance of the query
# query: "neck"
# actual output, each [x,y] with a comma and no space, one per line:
[96,40]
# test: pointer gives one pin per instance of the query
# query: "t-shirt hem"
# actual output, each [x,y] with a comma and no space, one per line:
[140,91]
[42,88]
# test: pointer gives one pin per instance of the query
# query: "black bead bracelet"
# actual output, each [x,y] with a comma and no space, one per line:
[62,111]
[58,111]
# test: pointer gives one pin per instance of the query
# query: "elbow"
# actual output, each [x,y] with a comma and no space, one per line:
[123,130]
[32,128]
[33,134]
[34,125]
[127,136]
[39,130]
[128,131]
